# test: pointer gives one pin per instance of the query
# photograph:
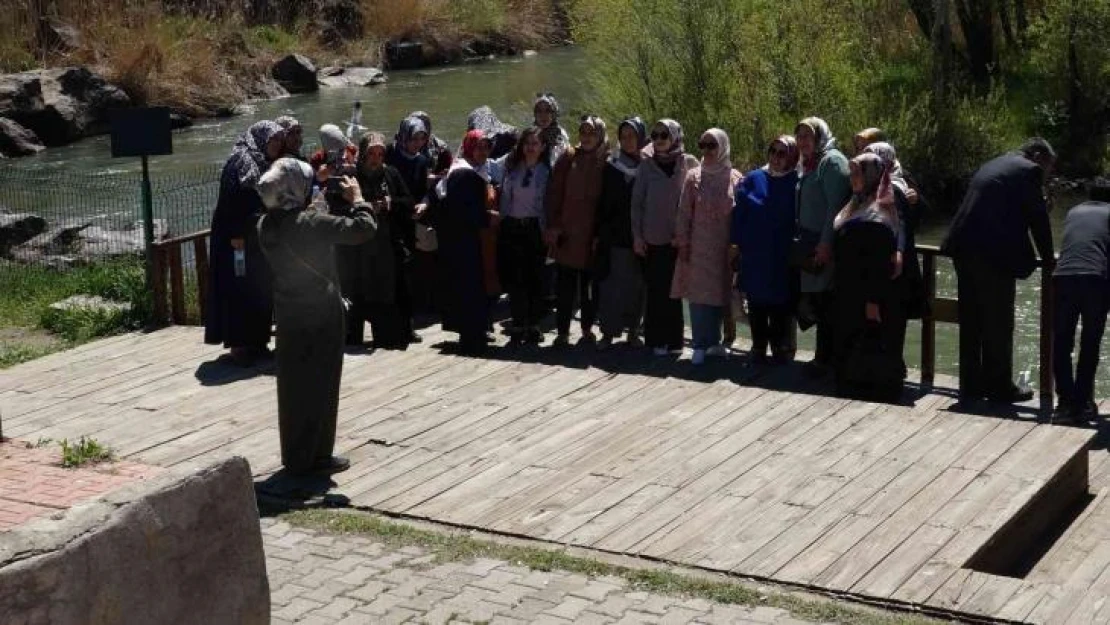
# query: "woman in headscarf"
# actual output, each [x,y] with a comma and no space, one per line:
[406,155]
[702,274]
[867,309]
[655,196]
[310,311]
[619,272]
[571,220]
[239,310]
[294,135]
[520,246]
[502,137]
[435,150]
[379,277]
[545,110]
[866,137]
[459,211]
[909,282]
[762,229]
[823,189]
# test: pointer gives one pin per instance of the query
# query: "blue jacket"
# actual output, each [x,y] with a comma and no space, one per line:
[763,228]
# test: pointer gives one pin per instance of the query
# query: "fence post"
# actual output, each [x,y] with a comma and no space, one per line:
[148,228]
[1047,312]
[928,321]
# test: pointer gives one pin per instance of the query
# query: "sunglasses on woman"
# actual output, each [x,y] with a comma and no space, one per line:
[656,136]
[707,145]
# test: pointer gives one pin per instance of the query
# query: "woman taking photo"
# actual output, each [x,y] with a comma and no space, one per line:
[702,275]
[571,221]
[823,189]
[520,250]
[309,307]
[380,276]
[762,229]
[616,267]
[655,196]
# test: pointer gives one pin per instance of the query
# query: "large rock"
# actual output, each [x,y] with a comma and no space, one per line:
[18,228]
[265,88]
[296,74]
[79,241]
[60,105]
[339,77]
[404,55]
[15,140]
[183,547]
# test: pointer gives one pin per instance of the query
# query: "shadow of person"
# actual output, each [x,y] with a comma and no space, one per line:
[283,491]
[224,370]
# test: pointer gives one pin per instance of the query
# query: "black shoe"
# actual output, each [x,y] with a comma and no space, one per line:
[329,466]
[1089,411]
[533,337]
[415,338]
[1013,396]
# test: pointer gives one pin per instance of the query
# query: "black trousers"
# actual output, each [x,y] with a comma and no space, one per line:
[575,288]
[520,263]
[769,329]
[1078,298]
[663,322]
[986,310]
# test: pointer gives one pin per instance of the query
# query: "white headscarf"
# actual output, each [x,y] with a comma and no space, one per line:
[333,141]
[286,185]
[724,153]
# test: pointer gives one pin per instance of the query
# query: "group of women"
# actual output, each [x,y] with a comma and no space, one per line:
[620,234]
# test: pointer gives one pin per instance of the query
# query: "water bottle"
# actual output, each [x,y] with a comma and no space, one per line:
[1024,382]
[240,263]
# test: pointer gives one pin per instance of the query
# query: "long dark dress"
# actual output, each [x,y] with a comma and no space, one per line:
[423,266]
[310,314]
[381,274]
[459,219]
[239,308]
[868,357]
[910,284]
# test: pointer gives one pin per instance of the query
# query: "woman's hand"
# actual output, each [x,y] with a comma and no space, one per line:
[237,244]
[352,193]
[871,310]
[911,196]
[823,254]
[639,247]
[420,211]
[896,263]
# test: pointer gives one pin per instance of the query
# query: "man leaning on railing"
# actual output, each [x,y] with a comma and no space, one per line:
[990,248]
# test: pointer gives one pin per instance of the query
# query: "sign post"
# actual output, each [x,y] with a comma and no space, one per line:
[143,132]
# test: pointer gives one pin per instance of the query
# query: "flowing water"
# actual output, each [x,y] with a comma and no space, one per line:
[448,94]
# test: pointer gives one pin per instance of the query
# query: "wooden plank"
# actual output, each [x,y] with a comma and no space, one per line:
[618,515]
[1086,532]
[200,253]
[161,314]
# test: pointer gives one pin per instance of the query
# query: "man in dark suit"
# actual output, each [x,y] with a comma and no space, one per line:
[989,243]
[1081,291]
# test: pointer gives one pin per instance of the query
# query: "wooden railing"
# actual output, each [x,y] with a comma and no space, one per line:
[946,310]
[168,259]
[168,263]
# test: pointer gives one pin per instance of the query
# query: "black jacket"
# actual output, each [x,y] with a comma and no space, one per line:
[1004,203]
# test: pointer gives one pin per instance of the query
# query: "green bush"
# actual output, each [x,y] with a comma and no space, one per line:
[123,282]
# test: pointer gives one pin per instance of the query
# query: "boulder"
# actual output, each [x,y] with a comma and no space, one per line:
[18,228]
[76,242]
[179,121]
[60,105]
[352,77]
[93,304]
[296,74]
[15,140]
[182,547]
[62,238]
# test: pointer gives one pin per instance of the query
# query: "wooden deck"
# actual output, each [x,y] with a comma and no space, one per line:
[728,468]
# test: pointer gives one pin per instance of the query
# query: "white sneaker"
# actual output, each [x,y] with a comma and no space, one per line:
[717,351]
[699,357]
[661,351]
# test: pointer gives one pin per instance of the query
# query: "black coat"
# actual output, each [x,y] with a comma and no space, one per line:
[239,309]
[414,172]
[459,219]
[1004,203]
[614,215]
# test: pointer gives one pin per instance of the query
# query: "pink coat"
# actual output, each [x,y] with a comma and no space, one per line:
[703,223]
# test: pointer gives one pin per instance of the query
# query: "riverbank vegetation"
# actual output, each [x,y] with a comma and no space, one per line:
[952,81]
[30,328]
[206,56]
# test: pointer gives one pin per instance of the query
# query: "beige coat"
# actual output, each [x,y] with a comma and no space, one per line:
[703,225]
[572,197]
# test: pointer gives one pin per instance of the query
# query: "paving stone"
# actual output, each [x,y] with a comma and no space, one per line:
[338,608]
[596,591]
[614,605]
[346,564]
[286,593]
[636,617]
[506,620]
[593,618]
[297,608]
[677,615]
[529,608]
[426,600]
[482,566]
[396,616]
[327,592]
[495,580]
[767,614]
[383,604]
[368,592]
[570,607]
[359,575]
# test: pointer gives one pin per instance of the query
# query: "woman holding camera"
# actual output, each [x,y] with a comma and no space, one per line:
[298,243]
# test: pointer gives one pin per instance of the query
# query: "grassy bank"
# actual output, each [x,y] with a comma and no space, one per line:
[202,57]
[29,328]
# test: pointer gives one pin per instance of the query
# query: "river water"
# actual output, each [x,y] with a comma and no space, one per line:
[184,182]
